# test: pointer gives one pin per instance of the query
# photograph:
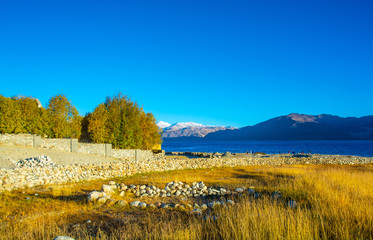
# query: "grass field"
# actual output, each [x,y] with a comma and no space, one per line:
[334,202]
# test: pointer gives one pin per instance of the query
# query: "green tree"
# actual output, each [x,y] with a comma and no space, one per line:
[64,118]
[124,124]
[31,115]
[10,116]
[97,122]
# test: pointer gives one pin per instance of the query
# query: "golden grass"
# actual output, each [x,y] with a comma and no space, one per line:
[334,202]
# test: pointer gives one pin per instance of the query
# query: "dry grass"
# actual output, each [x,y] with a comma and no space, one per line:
[334,202]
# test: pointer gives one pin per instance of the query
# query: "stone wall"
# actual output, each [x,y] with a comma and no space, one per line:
[90,148]
[17,139]
[72,145]
[56,144]
[132,154]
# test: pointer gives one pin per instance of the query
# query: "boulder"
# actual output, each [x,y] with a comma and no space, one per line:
[93,196]
[108,189]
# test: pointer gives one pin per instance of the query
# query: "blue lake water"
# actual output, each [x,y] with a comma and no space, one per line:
[358,148]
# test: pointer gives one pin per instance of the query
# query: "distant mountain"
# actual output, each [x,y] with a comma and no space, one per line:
[188,129]
[302,127]
[162,124]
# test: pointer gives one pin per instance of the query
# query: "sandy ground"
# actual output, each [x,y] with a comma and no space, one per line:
[12,152]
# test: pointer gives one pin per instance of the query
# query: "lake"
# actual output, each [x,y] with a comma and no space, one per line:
[358,148]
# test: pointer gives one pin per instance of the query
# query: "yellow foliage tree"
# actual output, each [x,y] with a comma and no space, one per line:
[65,121]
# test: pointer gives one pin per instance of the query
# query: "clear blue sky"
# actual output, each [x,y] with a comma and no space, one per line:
[214,62]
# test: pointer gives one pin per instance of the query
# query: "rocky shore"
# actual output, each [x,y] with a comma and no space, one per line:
[43,173]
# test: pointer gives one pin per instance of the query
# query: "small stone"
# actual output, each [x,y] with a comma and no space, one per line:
[196,211]
[112,183]
[102,199]
[109,189]
[122,203]
[63,238]
[152,205]
[93,196]
[239,190]
[135,203]
[164,205]
[88,221]
[142,205]
[204,207]
[230,202]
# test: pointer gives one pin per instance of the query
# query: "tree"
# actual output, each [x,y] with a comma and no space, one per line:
[10,116]
[64,118]
[31,115]
[97,121]
[124,124]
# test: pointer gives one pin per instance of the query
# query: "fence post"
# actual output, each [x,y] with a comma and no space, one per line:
[36,141]
[108,152]
[73,145]
[138,155]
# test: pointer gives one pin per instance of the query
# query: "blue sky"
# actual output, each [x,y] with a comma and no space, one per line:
[214,62]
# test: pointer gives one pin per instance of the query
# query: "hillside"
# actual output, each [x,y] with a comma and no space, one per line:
[303,127]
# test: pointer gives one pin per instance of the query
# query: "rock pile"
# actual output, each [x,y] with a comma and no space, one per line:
[172,189]
[41,161]
[221,196]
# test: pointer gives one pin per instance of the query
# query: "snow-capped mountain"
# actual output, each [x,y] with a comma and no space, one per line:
[162,124]
[188,129]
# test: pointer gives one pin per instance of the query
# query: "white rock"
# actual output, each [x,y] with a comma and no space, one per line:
[230,202]
[93,196]
[135,203]
[102,199]
[109,189]
[63,238]
[239,190]
[142,205]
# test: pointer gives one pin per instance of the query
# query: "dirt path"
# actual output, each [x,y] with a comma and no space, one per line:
[11,152]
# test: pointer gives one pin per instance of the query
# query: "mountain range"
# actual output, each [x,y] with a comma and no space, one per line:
[289,127]
[188,129]
[303,127]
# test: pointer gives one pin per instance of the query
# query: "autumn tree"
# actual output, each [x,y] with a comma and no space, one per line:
[64,118]
[124,124]
[97,122]
[10,116]
[32,117]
